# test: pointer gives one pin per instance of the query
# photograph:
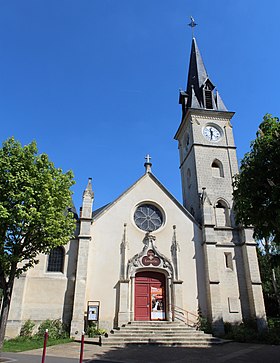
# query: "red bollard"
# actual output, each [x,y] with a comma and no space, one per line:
[82,347]
[45,345]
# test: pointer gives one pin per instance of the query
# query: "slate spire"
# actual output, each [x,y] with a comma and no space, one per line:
[200,92]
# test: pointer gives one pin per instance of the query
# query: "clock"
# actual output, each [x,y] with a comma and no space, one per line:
[211,133]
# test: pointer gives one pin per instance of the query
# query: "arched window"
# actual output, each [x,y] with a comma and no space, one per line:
[56,260]
[222,214]
[217,169]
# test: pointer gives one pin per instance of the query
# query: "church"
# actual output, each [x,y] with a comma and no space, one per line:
[145,256]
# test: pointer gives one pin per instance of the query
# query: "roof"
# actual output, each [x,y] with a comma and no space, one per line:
[200,92]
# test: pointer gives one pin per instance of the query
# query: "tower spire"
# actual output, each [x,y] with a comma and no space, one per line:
[200,92]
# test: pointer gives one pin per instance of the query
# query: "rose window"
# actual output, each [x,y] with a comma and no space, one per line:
[148,217]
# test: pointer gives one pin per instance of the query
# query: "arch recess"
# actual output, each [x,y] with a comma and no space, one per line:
[222,213]
[217,169]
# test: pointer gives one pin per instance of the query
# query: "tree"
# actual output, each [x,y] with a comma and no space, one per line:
[257,202]
[257,187]
[270,276]
[34,213]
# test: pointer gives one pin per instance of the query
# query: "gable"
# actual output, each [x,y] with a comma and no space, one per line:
[146,189]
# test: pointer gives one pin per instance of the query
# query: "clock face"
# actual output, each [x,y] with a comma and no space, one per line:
[211,133]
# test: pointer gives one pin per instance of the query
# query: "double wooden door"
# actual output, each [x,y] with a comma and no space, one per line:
[149,296]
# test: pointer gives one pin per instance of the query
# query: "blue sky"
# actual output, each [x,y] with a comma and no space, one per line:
[95,82]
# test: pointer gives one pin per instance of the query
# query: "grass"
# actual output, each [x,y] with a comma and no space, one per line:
[20,344]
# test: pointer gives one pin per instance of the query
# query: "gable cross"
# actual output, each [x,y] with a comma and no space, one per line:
[148,158]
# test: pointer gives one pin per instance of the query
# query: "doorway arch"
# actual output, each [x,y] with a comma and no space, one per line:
[150,296]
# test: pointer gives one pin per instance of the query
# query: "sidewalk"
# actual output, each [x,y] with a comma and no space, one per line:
[229,352]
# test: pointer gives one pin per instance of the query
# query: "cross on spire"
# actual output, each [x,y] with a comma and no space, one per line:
[192,24]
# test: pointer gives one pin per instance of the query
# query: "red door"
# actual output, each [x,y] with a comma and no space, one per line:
[149,296]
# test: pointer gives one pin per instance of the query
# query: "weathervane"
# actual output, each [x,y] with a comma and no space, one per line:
[192,24]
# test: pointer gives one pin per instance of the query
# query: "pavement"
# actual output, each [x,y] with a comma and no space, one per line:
[229,352]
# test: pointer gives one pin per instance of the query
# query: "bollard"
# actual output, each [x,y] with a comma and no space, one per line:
[82,347]
[45,345]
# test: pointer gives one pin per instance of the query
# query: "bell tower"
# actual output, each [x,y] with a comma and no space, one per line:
[206,145]
[208,164]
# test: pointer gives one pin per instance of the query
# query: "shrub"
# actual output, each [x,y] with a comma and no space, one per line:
[247,332]
[27,329]
[56,329]
[203,323]
[92,331]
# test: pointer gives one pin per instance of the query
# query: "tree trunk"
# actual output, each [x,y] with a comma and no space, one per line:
[4,317]
[6,302]
[274,283]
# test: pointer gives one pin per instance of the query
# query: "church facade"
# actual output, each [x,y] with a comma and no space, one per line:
[146,256]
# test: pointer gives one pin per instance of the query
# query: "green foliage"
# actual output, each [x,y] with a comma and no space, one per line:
[247,333]
[203,324]
[57,334]
[56,329]
[242,332]
[27,329]
[21,344]
[92,330]
[257,187]
[271,286]
[34,197]
[273,323]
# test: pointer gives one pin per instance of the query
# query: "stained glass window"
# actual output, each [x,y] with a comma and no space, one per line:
[148,217]
[56,260]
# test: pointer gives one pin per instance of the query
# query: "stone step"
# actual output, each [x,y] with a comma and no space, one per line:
[157,323]
[159,336]
[158,333]
[182,343]
[175,339]
[157,326]
[150,329]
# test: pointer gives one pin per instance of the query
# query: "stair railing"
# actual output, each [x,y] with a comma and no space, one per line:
[185,316]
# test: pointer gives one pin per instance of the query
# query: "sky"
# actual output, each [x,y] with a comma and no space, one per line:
[96,82]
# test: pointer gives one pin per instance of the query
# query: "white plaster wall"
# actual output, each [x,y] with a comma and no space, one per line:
[107,234]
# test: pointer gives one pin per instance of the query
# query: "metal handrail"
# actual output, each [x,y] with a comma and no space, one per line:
[183,315]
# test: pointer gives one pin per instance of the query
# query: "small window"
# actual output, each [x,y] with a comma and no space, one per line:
[217,169]
[56,260]
[228,260]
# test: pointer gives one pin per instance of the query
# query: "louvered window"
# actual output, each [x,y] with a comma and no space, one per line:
[208,99]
